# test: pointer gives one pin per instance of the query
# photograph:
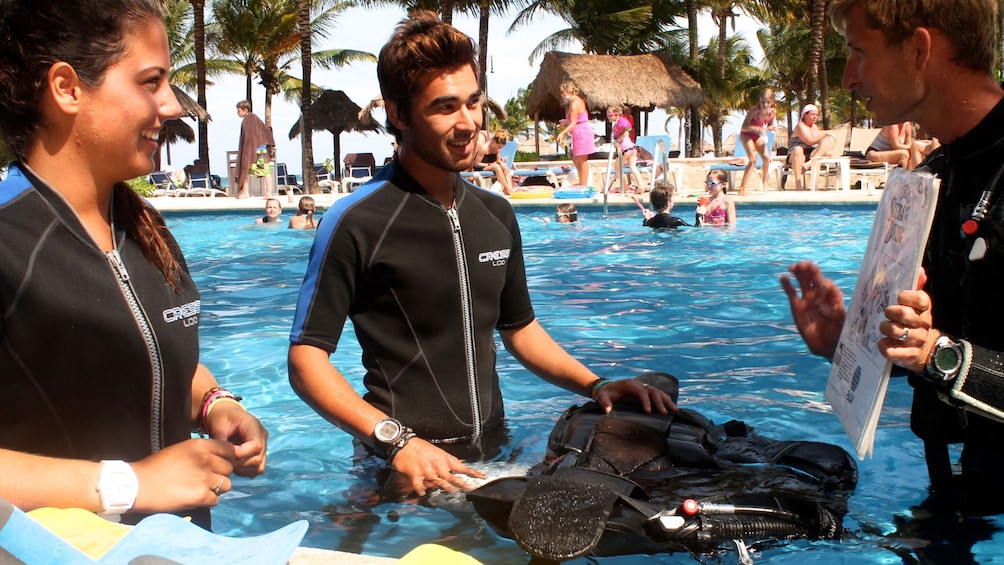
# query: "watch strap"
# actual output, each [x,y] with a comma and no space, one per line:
[408,435]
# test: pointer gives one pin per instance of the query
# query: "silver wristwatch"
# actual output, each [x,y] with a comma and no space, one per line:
[392,433]
[117,487]
[946,360]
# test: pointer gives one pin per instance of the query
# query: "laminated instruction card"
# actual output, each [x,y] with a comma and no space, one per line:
[860,374]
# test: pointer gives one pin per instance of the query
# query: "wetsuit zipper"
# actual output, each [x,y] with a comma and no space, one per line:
[156,413]
[467,315]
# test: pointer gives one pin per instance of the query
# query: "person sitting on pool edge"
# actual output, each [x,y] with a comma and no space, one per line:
[273,208]
[662,200]
[488,158]
[427,268]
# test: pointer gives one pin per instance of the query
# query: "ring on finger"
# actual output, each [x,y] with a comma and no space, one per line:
[219,486]
[905,336]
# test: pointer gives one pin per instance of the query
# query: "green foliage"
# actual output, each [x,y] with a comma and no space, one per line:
[604,27]
[6,154]
[517,122]
[142,186]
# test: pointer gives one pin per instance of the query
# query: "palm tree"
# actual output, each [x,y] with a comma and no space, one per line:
[625,27]
[727,88]
[817,19]
[306,99]
[517,122]
[235,34]
[693,116]
[263,37]
[199,20]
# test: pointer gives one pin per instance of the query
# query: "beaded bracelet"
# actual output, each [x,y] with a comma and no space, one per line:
[596,387]
[211,396]
[400,445]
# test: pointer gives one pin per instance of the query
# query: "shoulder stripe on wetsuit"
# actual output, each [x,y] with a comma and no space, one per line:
[14,185]
[330,222]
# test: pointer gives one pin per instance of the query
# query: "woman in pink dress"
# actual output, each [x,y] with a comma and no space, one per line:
[577,123]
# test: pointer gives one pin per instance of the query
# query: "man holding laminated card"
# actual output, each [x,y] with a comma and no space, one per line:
[912,66]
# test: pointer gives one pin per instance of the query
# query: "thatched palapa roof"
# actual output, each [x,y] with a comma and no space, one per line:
[642,81]
[189,107]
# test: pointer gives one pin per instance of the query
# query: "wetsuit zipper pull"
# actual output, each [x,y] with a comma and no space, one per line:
[117,265]
[454,220]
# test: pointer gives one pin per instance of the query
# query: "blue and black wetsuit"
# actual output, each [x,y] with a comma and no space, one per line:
[425,288]
[93,365]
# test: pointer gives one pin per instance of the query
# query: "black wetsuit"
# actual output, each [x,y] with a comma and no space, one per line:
[79,378]
[425,288]
[663,220]
[966,298]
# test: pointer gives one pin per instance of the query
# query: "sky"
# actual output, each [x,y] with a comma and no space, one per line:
[367,29]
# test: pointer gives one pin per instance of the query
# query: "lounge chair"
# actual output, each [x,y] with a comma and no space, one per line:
[359,169]
[285,182]
[658,146]
[162,185]
[861,138]
[325,181]
[200,184]
[740,152]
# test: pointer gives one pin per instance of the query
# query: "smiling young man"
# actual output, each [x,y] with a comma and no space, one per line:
[931,62]
[427,267]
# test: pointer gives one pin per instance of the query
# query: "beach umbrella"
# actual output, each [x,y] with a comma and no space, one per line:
[334,111]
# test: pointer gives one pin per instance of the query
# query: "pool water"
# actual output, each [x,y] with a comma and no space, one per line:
[703,304]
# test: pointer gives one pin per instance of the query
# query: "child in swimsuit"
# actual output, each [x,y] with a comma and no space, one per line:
[721,208]
[620,132]
[753,136]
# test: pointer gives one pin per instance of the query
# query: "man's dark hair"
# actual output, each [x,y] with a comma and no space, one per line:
[421,44]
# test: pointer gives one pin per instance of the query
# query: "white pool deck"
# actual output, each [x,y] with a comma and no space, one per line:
[685,196]
[256,205]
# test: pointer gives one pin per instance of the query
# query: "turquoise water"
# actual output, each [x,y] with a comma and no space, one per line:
[702,304]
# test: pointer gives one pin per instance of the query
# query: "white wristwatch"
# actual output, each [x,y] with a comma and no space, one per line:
[117,488]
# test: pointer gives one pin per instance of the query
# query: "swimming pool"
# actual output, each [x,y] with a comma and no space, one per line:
[702,304]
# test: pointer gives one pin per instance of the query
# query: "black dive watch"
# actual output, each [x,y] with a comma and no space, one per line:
[946,360]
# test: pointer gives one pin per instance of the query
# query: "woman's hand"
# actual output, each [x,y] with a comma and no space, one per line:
[819,311]
[189,474]
[229,421]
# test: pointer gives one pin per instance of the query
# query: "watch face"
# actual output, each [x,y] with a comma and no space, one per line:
[388,430]
[946,359]
[119,489]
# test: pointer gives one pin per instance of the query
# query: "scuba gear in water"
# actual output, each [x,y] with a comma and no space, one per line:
[630,482]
